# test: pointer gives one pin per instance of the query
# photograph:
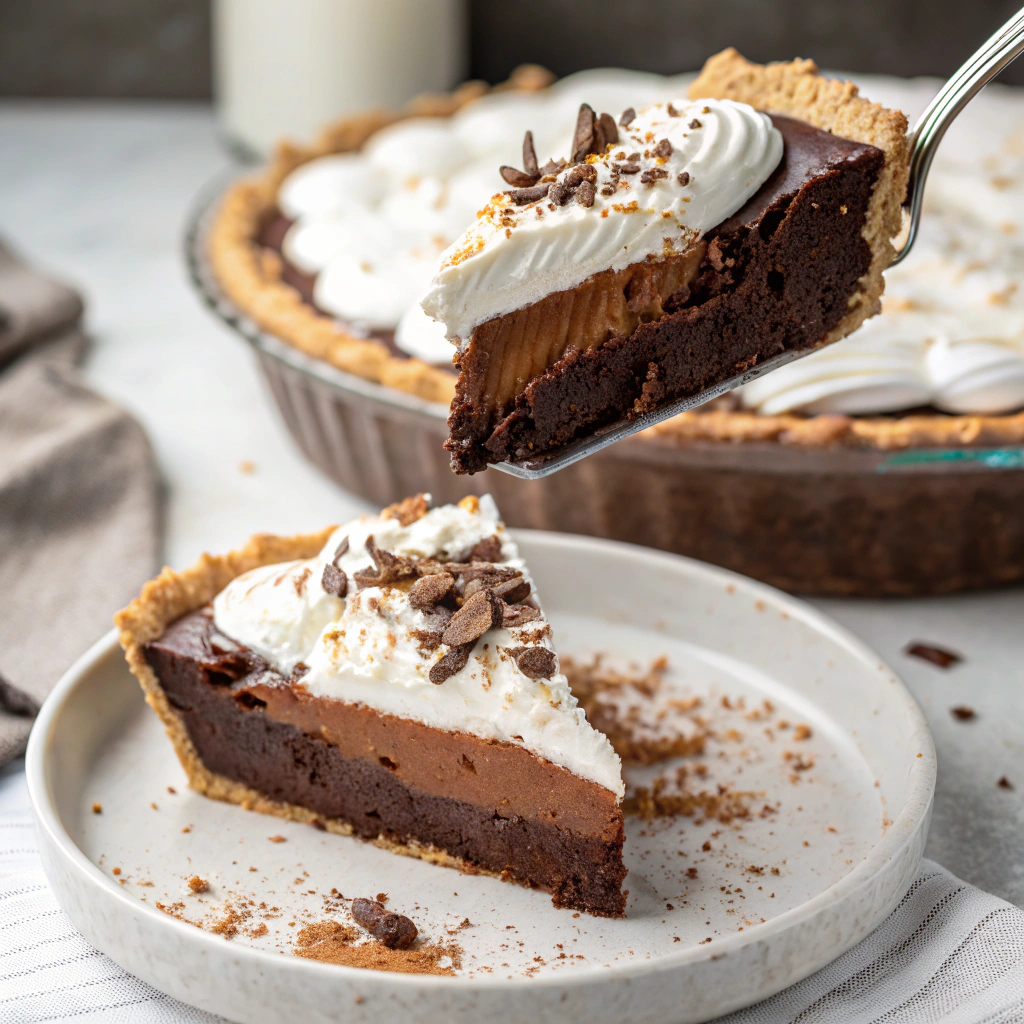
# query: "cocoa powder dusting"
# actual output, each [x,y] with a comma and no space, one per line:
[334,943]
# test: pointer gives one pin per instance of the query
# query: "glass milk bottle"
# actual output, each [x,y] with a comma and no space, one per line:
[288,67]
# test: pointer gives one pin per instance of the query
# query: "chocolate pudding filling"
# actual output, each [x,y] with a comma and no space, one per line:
[495,806]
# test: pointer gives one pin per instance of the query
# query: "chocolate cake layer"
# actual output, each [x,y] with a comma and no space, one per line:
[776,276]
[493,805]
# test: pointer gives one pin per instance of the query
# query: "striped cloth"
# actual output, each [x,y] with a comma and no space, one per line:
[948,953]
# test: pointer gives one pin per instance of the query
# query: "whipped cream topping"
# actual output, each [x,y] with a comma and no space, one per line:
[678,169]
[951,330]
[363,648]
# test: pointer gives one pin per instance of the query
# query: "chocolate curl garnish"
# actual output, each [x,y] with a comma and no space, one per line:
[529,155]
[584,137]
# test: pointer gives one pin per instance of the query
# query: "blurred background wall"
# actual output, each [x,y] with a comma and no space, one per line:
[161,48]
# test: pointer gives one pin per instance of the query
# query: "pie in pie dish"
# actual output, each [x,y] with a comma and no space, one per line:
[669,252]
[393,679]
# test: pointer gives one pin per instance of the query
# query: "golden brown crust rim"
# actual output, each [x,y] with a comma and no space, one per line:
[251,276]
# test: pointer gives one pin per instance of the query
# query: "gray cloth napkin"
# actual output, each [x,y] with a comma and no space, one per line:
[78,498]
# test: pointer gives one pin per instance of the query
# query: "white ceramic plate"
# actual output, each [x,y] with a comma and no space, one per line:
[779,893]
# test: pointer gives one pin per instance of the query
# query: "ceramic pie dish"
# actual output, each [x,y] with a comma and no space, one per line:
[918,503]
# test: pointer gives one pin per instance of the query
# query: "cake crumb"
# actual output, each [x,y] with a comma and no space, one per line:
[802,732]
[197,884]
[963,713]
[97,808]
[115,871]
[247,467]
[1004,783]
[938,656]
[277,839]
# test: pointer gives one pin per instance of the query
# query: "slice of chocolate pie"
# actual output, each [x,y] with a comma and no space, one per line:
[393,679]
[673,249]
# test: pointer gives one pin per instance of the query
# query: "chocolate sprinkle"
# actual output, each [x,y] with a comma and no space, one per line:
[334,581]
[627,117]
[663,150]
[535,662]
[473,619]
[523,196]
[454,661]
[429,590]
[395,931]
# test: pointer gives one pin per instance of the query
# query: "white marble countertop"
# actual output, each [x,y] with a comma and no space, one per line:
[98,194]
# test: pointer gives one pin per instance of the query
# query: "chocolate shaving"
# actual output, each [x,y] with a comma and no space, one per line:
[610,134]
[513,591]
[486,550]
[454,661]
[524,196]
[535,662]
[530,155]
[585,193]
[936,655]
[580,173]
[427,591]
[672,112]
[583,139]
[479,613]
[653,174]
[518,179]
[341,551]
[695,123]
[390,568]
[514,615]
[334,581]
[395,931]
[627,117]
[683,177]
[560,193]
[663,150]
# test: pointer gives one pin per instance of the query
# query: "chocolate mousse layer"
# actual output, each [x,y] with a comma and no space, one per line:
[492,805]
[776,276]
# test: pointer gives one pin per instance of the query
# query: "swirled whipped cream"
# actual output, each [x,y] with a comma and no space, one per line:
[675,170]
[951,331]
[372,646]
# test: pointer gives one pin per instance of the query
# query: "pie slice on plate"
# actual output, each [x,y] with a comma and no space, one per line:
[394,679]
[672,249]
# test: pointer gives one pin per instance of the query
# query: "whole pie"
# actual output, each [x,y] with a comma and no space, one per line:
[393,679]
